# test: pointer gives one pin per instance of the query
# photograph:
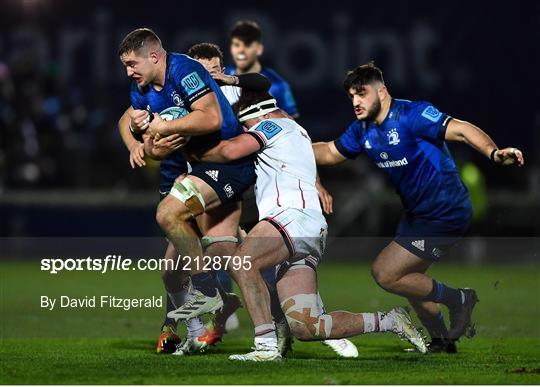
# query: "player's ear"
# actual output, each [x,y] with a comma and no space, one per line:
[382,91]
[154,57]
[260,49]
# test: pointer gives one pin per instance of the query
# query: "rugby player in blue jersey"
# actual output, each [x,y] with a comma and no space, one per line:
[163,80]
[407,140]
[246,48]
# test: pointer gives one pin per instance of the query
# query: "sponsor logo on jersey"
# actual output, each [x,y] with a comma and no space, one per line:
[393,137]
[419,244]
[269,129]
[367,145]
[384,155]
[228,190]
[393,163]
[192,83]
[213,174]
[431,114]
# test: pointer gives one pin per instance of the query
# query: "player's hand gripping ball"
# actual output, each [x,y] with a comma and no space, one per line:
[173,113]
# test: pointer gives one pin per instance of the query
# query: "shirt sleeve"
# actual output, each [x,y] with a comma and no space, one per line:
[138,100]
[349,143]
[253,81]
[284,97]
[428,122]
[192,80]
[266,133]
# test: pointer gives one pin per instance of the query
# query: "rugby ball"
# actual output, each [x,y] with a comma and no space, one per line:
[173,113]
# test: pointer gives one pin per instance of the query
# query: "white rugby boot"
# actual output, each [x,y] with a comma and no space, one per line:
[404,328]
[262,351]
[343,347]
[190,346]
[198,304]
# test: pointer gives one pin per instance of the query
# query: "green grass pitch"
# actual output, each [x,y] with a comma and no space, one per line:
[105,346]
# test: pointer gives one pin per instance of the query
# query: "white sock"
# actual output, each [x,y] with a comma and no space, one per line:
[386,323]
[195,326]
[370,324]
[266,334]
[266,341]
[377,322]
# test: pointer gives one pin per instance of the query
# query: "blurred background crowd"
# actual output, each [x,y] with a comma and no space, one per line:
[62,90]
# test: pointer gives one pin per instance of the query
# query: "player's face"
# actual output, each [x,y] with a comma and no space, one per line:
[213,66]
[366,102]
[244,55]
[139,68]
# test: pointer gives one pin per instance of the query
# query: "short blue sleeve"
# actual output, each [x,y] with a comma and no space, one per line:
[349,143]
[281,91]
[138,100]
[191,79]
[428,122]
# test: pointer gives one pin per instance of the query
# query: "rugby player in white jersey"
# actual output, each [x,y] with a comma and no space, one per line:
[291,235]
[211,57]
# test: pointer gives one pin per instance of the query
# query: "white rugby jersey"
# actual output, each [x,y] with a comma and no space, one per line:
[285,167]
[232,93]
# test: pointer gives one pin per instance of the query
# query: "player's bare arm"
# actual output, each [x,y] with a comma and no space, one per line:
[204,118]
[326,153]
[472,135]
[233,149]
[135,148]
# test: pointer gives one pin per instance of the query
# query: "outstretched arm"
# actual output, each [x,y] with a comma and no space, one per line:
[233,149]
[250,81]
[468,133]
[326,153]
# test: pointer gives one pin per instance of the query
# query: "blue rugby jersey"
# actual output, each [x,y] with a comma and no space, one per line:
[409,147]
[186,80]
[279,89]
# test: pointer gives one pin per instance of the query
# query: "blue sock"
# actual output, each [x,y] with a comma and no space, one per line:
[442,294]
[225,280]
[205,283]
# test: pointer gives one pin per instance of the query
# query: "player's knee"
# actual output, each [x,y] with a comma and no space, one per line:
[384,278]
[241,275]
[301,331]
[305,319]
[166,216]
